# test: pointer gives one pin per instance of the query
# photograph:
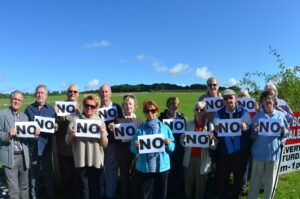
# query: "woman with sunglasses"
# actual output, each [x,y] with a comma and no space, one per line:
[153,168]
[197,161]
[88,152]
[126,159]
[175,184]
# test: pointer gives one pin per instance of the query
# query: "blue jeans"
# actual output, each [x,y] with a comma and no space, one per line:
[44,163]
[110,171]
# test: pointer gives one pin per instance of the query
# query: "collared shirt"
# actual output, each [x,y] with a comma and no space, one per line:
[18,145]
[268,148]
[44,141]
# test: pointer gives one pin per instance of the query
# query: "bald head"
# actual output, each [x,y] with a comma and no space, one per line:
[73,92]
[105,94]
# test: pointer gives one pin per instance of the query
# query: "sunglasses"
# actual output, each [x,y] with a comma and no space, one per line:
[70,91]
[150,110]
[227,98]
[211,85]
[200,109]
[90,106]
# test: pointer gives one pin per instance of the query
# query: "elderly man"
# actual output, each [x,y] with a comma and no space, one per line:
[69,177]
[14,154]
[110,156]
[41,148]
[213,91]
[232,151]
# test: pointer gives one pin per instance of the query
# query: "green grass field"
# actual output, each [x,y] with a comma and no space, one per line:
[289,184]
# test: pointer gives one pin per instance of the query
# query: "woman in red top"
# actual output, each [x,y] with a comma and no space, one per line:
[197,161]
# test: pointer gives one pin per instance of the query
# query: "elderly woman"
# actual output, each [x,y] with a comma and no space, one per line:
[88,152]
[197,161]
[153,168]
[124,156]
[175,184]
[280,104]
[266,150]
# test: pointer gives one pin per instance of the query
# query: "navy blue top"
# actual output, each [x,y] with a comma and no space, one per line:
[43,143]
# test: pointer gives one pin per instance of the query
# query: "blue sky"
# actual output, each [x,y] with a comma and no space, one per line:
[112,42]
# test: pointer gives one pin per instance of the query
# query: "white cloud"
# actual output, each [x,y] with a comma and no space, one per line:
[95,44]
[7,89]
[203,73]
[231,82]
[92,84]
[178,68]
[141,57]
[182,85]
[65,84]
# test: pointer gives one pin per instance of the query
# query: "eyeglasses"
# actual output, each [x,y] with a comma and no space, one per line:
[211,85]
[150,110]
[90,106]
[70,91]
[227,98]
[199,109]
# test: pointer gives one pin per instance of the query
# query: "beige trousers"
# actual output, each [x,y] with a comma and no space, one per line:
[194,182]
[263,172]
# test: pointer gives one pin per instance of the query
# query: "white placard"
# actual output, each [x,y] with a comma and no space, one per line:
[269,127]
[247,103]
[196,139]
[88,128]
[176,125]
[290,160]
[151,143]
[213,104]
[46,124]
[124,131]
[26,129]
[108,113]
[229,127]
[65,108]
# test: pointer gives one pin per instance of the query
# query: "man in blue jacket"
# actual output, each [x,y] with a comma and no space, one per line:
[232,151]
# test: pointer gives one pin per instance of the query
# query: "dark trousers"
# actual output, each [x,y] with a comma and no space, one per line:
[126,161]
[90,182]
[175,178]
[43,163]
[17,178]
[69,178]
[227,163]
[153,183]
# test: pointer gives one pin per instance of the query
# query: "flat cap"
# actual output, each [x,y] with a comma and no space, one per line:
[228,92]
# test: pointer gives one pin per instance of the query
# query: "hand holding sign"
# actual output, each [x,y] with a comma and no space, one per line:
[12,132]
[270,127]
[167,141]
[65,108]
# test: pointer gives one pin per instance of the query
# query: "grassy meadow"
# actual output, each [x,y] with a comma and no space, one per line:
[289,184]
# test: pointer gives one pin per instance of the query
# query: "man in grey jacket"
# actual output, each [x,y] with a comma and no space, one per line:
[14,153]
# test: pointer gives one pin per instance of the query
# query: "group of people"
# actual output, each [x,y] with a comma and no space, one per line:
[89,167]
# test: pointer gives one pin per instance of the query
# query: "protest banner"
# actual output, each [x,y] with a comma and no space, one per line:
[124,131]
[108,113]
[151,143]
[88,128]
[65,108]
[176,125]
[269,127]
[26,129]
[46,124]
[247,103]
[213,104]
[229,127]
[196,139]
[290,159]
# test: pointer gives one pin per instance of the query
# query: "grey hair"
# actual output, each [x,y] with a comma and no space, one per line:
[243,91]
[201,104]
[270,84]
[41,86]
[73,85]
[210,79]
[12,95]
